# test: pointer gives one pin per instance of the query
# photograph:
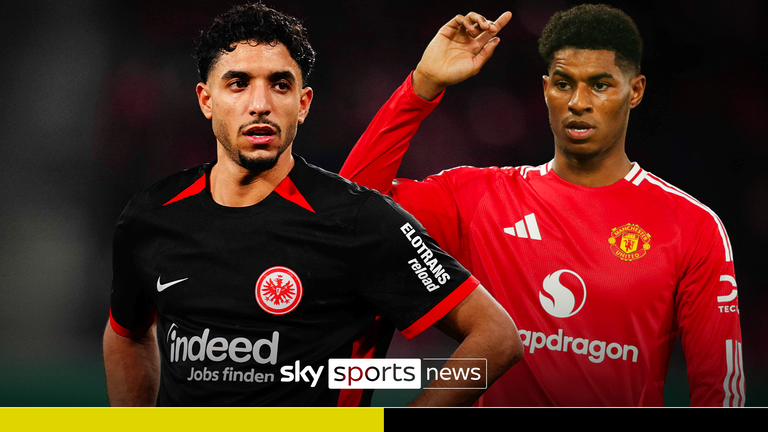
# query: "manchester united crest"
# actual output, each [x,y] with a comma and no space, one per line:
[278,290]
[629,242]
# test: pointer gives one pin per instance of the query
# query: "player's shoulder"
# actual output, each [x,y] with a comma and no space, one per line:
[336,198]
[692,216]
[167,190]
[689,213]
[466,175]
[314,180]
[329,194]
[676,198]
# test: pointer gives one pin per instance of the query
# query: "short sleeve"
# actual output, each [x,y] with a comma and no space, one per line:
[402,270]
[131,312]
[433,203]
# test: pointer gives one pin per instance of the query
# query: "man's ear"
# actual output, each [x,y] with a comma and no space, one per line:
[545,86]
[637,86]
[204,99]
[304,103]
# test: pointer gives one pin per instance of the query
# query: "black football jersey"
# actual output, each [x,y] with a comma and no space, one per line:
[251,302]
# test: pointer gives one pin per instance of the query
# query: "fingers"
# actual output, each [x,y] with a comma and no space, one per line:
[487,51]
[502,20]
[485,33]
[469,23]
[475,24]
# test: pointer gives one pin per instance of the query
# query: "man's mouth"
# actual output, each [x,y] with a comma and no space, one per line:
[259,130]
[260,134]
[579,130]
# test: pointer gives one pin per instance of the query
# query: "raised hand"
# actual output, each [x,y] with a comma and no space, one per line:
[457,52]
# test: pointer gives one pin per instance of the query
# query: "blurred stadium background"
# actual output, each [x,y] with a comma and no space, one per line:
[100,103]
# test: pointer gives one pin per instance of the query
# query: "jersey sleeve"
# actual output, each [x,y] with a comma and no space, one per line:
[131,312]
[401,269]
[376,157]
[708,318]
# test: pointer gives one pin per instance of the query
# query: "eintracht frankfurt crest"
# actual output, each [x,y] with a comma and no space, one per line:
[278,290]
[629,242]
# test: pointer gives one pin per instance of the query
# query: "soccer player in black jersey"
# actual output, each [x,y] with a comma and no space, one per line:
[235,282]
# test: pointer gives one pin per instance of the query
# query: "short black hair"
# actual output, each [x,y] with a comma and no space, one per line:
[594,27]
[253,23]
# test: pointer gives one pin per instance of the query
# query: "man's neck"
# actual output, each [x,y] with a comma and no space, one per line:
[594,172]
[234,186]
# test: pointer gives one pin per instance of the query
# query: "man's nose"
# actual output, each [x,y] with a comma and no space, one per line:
[260,103]
[581,100]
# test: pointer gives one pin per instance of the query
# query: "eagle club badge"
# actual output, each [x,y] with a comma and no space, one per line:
[629,242]
[278,290]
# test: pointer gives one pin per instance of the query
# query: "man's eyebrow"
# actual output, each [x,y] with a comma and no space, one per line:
[273,77]
[562,74]
[230,74]
[282,75]
[601,76]
[591,78]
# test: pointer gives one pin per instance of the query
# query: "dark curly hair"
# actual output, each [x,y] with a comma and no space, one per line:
[594,27]
[253,23]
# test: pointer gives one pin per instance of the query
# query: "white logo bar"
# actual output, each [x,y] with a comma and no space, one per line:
[374,373]
[525,228]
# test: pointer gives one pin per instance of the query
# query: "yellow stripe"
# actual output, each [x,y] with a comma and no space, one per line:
[193,419]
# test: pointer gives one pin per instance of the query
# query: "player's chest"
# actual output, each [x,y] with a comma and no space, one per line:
[268,266]
[605,247]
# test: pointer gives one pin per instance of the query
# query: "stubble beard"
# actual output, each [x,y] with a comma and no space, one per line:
[258,165]
[254,165]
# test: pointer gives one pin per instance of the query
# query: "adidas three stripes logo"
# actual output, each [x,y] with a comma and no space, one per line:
[525,228]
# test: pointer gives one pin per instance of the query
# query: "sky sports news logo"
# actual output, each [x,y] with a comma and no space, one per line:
[236,356]
[390,373]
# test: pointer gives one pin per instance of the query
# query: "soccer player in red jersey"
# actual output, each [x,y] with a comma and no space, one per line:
[615,263]
[236,282]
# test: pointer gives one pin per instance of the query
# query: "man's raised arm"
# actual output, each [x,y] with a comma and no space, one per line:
[457,52]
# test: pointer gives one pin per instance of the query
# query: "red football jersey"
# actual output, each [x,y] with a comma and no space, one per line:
[600,281]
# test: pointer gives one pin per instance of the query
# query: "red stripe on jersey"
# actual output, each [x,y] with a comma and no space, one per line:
[442,308]
[124,332]
[194,189]
[364,347]
[287,190]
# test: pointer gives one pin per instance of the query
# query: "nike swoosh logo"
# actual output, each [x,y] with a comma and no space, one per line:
[163,286]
